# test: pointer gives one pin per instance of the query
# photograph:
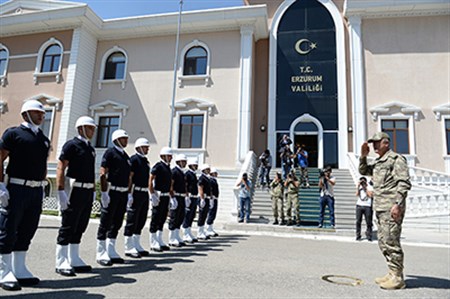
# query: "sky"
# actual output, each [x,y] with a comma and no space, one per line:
[108,9]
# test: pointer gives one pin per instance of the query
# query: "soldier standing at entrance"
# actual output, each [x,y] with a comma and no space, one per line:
[390,189]
[276,192]
[178,204]
[291,185]
[21,200]
[191,200]
[204,192]
[115,169]
[78,157]
[138,204]
[159,184]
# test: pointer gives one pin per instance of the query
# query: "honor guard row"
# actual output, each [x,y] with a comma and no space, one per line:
[127,185]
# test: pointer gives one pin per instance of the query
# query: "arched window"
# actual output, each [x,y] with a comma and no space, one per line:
[51,59]
[3,61]
[195,61]
[115,67]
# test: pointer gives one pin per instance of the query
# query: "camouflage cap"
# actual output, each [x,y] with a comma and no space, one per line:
[378,136]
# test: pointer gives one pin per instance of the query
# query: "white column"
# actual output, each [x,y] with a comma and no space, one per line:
[244,122]
[358,93]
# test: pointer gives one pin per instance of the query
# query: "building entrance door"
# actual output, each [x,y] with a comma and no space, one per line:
[309,140]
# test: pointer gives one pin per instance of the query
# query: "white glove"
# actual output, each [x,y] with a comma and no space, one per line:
[211,203]
[173,205]
[202,203]
[63,200]
[130,200]
[187,202]
[4,196]
[94,196]
[105,199]
[155,199]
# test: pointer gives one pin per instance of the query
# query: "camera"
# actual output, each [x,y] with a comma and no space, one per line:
[321,173]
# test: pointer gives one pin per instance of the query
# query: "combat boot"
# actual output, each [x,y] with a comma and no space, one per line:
[382,279]
[394,282]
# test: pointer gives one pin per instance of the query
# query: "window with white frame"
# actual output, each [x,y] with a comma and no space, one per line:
[398,131]
[51,59]
[195,61]
[115,66]
[3,61]
[105,126]
[47,124]
[190,132]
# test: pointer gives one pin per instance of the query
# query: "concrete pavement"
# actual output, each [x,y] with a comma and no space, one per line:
[239,265]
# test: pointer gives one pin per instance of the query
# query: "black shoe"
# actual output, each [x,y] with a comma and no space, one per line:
[133,255]
[144,253]
[156,249]
[283,223]
[358,238]
[165,248]
[117,260]
[369,239]
[65,272]
[241,220]
[275,222]
[290,223]
[27,282]
[104,262]
[319,226]
[175,244]
[11,286]
[195,240]
[82,269]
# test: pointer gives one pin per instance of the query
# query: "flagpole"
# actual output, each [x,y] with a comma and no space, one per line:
[175,67]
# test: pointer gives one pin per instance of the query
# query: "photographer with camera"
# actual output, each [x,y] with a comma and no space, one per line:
[326,186]
[244,198]
[264,168]
[364,207]
[286,160]
[292,184]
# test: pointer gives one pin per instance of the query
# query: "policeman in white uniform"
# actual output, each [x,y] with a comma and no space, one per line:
[178,206]
[159,184]
[213,204]
[137,207]
[115,169]
[78,157]
[191,200]
[21,195]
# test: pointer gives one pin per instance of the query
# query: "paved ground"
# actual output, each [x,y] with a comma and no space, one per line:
[238,265]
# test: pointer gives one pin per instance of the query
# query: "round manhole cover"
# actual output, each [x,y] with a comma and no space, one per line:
[342,279]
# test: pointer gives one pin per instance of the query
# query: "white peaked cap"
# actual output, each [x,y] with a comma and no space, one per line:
[180,157]
[192,161]
[119,134]
[141,142]
[213,170]
[204,166]
[166,151]
[32,105]
[85,121]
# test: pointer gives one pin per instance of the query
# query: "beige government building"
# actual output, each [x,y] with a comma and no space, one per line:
[327,73]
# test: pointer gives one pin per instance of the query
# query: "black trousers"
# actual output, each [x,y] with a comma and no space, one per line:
[111,218]
[75,218]
[159,214]
[212,212]
[368,215]
[202,213]
[20,219]
[137,213]
[177,215]
[191,210]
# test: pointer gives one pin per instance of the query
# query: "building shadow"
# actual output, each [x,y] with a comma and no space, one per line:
[417,281]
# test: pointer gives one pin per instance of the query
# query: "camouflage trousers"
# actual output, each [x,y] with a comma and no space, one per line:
[291,207]
[277,208]
[389,240]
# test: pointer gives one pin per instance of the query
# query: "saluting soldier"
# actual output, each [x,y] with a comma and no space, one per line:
[138,204]
[177,209]
[159,184]
[191,200]
[390,190]
[204,192]
[78,157]
[115,169]
[21,200]
[213,204]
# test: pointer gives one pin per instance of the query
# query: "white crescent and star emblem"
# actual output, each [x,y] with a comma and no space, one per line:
[310,46]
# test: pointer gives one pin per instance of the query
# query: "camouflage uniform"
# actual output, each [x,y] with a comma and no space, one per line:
[391,184]
[276,191]
[292,202]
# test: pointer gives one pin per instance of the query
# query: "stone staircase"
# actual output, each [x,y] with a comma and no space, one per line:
[345,201]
